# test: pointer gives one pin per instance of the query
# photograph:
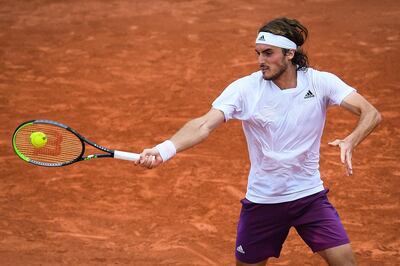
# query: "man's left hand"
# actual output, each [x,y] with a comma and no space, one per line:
[346,149]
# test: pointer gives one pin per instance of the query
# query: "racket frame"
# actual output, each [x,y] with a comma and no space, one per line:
[109,153]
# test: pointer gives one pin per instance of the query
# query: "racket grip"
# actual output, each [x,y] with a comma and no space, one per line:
[129,156]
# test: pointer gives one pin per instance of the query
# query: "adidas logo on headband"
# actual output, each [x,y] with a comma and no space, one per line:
[261,38]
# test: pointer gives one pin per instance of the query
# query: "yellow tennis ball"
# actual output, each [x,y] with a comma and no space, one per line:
[38,139]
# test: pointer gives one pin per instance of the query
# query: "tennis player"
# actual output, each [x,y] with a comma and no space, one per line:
[283,109]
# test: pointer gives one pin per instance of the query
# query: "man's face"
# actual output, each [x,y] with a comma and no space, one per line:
[272,61]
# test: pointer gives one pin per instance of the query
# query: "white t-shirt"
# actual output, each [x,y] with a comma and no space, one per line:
[283,129]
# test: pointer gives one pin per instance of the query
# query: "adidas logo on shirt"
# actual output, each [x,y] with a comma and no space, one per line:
[309,94]
[240,249]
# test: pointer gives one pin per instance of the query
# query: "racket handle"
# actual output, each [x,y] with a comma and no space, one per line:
[126,156]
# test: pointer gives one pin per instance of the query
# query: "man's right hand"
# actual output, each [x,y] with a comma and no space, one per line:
[149,158]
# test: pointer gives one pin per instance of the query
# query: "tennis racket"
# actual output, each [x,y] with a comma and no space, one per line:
[52,144]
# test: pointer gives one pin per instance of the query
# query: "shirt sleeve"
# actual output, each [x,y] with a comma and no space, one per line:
[335,90]
[230,102]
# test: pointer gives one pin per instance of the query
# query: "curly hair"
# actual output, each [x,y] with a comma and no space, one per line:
[294,31]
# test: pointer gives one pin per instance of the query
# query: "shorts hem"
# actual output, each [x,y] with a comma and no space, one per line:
[331,245]
[258,259]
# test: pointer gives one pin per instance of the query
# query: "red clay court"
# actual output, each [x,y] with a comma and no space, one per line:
[127,74]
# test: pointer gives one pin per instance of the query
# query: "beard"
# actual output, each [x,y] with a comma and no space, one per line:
[278,73]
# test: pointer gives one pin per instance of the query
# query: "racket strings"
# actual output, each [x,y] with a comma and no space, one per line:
[61,146]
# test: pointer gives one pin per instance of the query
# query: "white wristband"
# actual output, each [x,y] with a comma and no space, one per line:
[166,149]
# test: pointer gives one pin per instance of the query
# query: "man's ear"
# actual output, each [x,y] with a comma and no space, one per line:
[290,54]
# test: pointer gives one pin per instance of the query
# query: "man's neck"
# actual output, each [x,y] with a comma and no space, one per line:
[288,79]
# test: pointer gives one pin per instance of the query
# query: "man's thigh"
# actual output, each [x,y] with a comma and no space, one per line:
[319,224]
[261,231]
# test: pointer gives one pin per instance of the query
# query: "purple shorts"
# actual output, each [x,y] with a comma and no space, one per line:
[263,228]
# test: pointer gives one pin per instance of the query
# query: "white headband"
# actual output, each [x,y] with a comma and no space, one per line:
[275,40]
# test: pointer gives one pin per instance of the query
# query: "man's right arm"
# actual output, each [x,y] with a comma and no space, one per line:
[192,133]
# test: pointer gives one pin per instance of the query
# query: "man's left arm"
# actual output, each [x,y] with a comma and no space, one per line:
[369,119]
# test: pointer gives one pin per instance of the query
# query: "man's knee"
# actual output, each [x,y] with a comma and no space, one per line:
[339,256]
